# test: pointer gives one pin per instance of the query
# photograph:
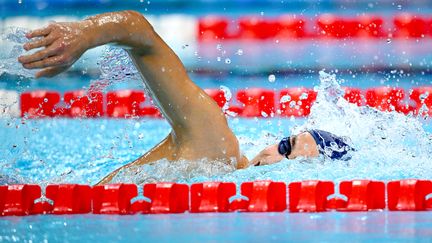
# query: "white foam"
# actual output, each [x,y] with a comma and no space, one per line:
[388,145]
[9,103]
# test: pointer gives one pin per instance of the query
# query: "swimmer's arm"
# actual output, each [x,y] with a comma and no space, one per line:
[187,108]
[269,155]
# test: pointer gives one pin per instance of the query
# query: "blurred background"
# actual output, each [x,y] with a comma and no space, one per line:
[255,43]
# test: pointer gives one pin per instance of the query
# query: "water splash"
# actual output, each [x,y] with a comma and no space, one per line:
[115,66]
[181,171]
[11,41]
[388,145]
[114,63]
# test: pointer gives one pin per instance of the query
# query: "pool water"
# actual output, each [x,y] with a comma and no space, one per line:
[47,151]
[389,146]
[230,227]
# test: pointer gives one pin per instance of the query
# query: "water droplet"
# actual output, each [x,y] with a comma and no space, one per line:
[389,41]
[271,78]
[303,96]
[46,100]
[239,52]
[227,60]
[285,99]
[219,47]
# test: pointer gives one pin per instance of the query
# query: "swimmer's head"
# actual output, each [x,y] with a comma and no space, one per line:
[314,142]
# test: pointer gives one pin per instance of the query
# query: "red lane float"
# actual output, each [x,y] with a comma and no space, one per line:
[70,198]
[128,103]
[290,26]
[370,26]
[254,27]
[309,196]
[167,197]
[84,104]
[211,196]
[296,102]
[212,28]
[18,199]
[363,195]
[332,26]
[411,26]
[354,95]
[114,198]
[335,27]
[263,196]
[218,96]
[422,96]
[257,102]
[254,102]
[219,28]
[409,195]
[388,99]
[40,103]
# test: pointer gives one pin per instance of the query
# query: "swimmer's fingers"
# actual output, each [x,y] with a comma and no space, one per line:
[39,43]
[51,71]
[47,62]
[39,32]
[258,160]
[40,55]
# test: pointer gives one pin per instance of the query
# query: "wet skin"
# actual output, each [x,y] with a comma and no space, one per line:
[187,108]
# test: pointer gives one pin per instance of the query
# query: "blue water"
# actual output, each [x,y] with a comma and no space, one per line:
[84,150]
[233,227]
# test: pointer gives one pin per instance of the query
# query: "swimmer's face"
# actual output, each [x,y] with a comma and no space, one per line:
[303,145]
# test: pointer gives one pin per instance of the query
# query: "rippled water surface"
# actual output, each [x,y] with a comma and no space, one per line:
[245,227]
[388,146]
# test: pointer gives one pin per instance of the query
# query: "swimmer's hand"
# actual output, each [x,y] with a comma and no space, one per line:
[269,155]
[61,45]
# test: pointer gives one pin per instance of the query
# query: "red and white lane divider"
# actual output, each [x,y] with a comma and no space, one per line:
[326,26]
[179,29]
[252,102]
[262,196]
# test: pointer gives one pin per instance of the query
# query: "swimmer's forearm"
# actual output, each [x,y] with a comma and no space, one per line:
[127,28]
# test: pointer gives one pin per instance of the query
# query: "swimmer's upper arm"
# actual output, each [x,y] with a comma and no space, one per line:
[185,105]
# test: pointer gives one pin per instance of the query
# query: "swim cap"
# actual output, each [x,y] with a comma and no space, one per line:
[284,147]
[330,145]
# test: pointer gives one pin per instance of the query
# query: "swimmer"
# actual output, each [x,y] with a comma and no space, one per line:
[187,108]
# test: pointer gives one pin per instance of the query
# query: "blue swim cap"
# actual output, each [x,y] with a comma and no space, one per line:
[330,145]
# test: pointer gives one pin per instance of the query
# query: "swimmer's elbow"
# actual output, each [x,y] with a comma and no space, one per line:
[140,21]
[139,33]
